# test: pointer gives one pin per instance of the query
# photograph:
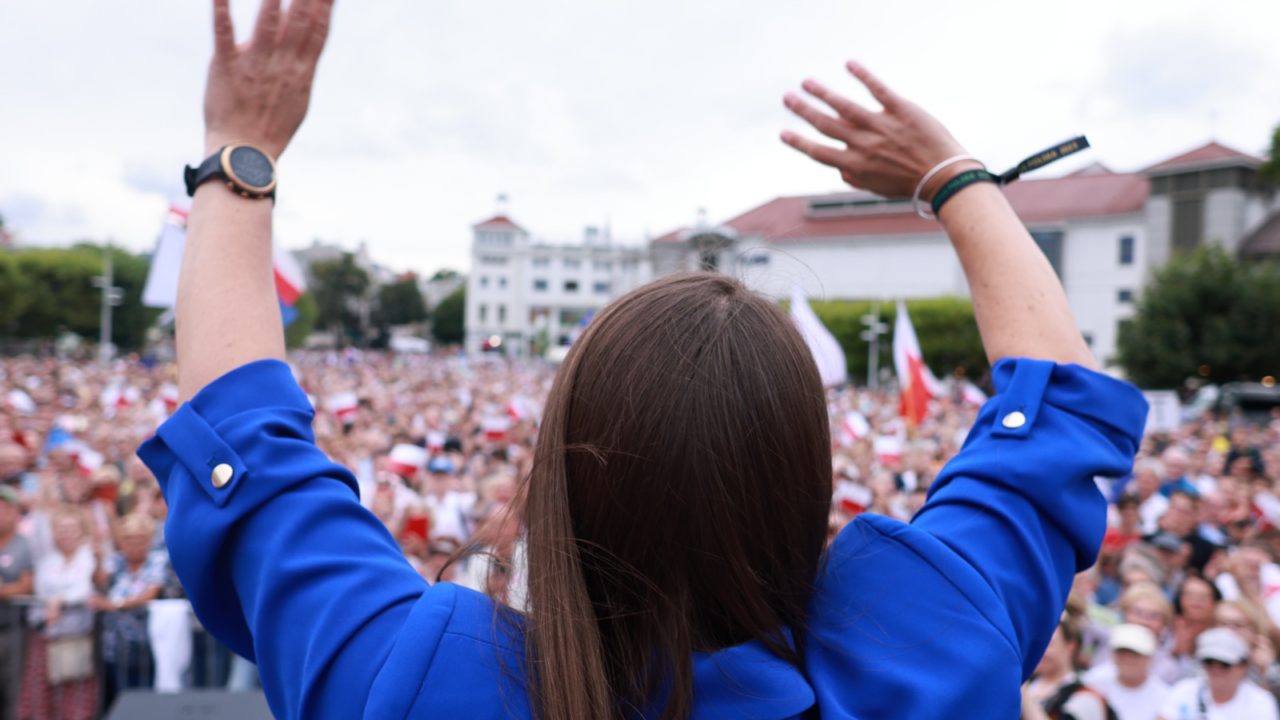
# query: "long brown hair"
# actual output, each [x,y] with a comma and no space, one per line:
[678,499]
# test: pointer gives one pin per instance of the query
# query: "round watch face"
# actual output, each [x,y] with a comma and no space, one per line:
[252,168]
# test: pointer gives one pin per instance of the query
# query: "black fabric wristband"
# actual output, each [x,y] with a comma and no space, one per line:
[958,183]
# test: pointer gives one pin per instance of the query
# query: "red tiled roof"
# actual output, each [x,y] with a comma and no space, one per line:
[1263,241]
[674,236]
[1036,201]
[1211,154]
[498,221]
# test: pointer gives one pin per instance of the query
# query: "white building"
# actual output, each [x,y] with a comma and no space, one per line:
[1102,231]
[525,297]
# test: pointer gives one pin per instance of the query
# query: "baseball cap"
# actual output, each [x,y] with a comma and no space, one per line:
[440,465]
[1164,540]
[1221,644]
[1134,638]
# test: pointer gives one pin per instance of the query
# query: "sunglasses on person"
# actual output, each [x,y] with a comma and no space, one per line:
[1218,664]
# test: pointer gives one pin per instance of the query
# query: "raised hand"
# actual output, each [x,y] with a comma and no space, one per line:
[886,152]
[258,92]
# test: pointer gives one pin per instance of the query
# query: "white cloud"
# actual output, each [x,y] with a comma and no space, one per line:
[634,114]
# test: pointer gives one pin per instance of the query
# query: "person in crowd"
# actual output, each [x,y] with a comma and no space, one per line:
[1126,681]
[16,579]
[127,581]
[1251,623]
[676,506]
[59,681]
[1193,606]
[1057,686]
[1224,691]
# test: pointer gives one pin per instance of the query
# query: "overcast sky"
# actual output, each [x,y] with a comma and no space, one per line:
[594,112]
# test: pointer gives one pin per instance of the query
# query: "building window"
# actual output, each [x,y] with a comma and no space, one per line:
[484,312]
[572,263]
[540,285]
[541,261]
[1050,243]
[1126,250]
[1124,296]
[502,314]
[571,286]
[709,261]
[484,281]
[502,282]
[600,288]
[1188,223]
[493,260]
[754,259]
[603,265]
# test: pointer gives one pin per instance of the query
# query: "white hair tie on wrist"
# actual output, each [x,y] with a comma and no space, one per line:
[924,212]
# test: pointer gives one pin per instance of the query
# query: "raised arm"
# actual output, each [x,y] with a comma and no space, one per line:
[257,94]
[1019,304]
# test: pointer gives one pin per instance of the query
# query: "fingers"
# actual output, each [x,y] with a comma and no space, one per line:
[846,108]
[224,35]
[321,15]
[833,128]
[268,23]
[881,92]
[824,154]
[297,25]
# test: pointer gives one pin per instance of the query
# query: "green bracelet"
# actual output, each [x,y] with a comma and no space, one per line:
[958,183]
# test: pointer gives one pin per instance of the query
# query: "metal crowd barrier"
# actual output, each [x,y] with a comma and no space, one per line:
[209,666]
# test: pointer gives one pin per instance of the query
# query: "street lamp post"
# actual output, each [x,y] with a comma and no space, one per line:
[874,329]
[111,296]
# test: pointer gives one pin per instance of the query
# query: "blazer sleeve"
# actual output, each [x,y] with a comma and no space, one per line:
[1019,503]
[281,562]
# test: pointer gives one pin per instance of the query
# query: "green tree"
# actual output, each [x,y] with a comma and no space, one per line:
[340,289]
[444,274]
[449,320]
[59,294]
[295,335]
[1270,169]
[15,293]
[401,303]
[945,327]
[1204,313]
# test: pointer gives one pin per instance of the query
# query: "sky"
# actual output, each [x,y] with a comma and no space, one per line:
[631,115]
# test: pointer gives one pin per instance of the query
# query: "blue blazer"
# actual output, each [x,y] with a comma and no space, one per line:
[942,617]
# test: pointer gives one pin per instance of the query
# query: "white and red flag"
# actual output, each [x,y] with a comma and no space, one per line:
[406,460]
[917,383]
[826,352]
[343,405]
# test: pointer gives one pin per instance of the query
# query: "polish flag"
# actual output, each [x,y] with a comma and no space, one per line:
[343,405]
[827,354]
[495,428]
[406,460]
[854,427]
[88,461]
[290,282]
[888,449]
[919,386]
[852,498]
[435,441]
[169,396]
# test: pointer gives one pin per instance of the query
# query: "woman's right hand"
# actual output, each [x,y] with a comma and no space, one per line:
[886,152]
[258,92]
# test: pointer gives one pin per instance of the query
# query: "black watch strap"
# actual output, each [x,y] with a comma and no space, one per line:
[211,169]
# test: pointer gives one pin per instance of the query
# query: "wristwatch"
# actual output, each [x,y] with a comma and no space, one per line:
[246,170]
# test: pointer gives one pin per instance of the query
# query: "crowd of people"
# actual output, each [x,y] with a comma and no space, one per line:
[1179,618]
